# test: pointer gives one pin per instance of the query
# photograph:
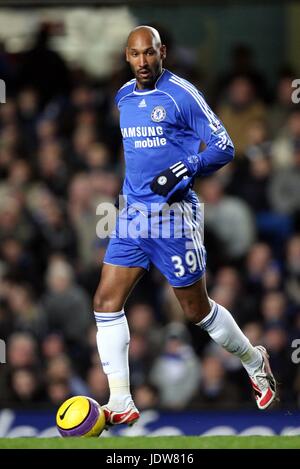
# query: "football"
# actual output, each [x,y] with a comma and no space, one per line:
[80,416]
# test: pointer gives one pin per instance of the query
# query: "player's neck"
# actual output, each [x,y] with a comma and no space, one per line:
[149,86]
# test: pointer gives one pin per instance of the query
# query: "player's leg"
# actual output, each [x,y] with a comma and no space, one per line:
[223,329]
[113,338]
[124,263]
[114,287]
[182,259]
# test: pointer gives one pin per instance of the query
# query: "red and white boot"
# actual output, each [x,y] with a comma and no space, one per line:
[129,416]
[263,382]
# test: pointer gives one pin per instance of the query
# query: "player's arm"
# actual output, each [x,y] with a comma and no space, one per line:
[198,116]
[219,148]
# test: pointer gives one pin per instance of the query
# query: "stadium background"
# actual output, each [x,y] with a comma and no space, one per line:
[60,156]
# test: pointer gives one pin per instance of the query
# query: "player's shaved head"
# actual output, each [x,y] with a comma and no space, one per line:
[145,32]
[145,54]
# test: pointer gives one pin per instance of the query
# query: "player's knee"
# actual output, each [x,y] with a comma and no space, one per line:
[195,312]
[193,315]
[105,303]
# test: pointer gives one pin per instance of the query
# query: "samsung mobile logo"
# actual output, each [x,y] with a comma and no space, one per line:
[143,131]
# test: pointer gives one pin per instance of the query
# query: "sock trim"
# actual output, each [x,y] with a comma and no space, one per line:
[99,317]
[213,314]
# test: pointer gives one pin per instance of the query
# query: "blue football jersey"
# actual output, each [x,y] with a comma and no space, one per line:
[165,125]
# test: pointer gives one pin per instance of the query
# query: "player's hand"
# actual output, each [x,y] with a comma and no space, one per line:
[168,179]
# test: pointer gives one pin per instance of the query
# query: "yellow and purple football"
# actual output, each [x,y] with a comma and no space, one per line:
[80,416]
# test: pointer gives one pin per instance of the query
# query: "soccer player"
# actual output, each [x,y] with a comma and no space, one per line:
[163,120]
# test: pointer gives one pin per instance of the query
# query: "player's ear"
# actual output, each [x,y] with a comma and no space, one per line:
[163,52]
[127,54]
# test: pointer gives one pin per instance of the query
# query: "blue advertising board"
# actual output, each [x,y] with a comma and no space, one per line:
[154,423]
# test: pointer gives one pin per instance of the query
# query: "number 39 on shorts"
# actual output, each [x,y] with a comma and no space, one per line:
[190,261]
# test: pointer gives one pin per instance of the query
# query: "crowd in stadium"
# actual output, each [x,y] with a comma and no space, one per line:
[60,156]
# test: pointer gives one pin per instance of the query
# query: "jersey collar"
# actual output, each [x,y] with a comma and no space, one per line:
[135,91]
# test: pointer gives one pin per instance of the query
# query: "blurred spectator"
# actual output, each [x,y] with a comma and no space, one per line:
[286,145]
[258,262]
[47,131]
[27,314]
[241,108]
[292,265]
[141,320]
[26,387]
[19,175]
[82,213]
[215,390]
[296,389]
[97,384]
[228,277]
[94,359]
[83,137]
[28,101]
[60,368]
[228,290]
[22,350]
[242,63]
[254,332]
[51,167]
[229,217]
[14,222]
[139,358]
[51,77]
[58,391]
[177,367]
[55,230]
[6,67]
[18,262]
[6,321]
[67,308]
[273,309]
[53,346]
[8,113]
[272,279]
[22,369]
[278,113]
[284,190]
[276,341]
[146,396]
[105,186]
[251,181]
[97,156]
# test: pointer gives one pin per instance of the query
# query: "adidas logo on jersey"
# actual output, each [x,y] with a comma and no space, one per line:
[143,103]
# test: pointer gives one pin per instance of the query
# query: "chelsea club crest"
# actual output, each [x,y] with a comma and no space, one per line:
[158,114]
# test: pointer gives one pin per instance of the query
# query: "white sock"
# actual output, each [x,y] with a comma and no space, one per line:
[113,342]
[223,329]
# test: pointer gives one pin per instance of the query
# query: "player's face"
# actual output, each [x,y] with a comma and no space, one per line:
[145,58]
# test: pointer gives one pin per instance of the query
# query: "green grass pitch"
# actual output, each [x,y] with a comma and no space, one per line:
[175,442]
